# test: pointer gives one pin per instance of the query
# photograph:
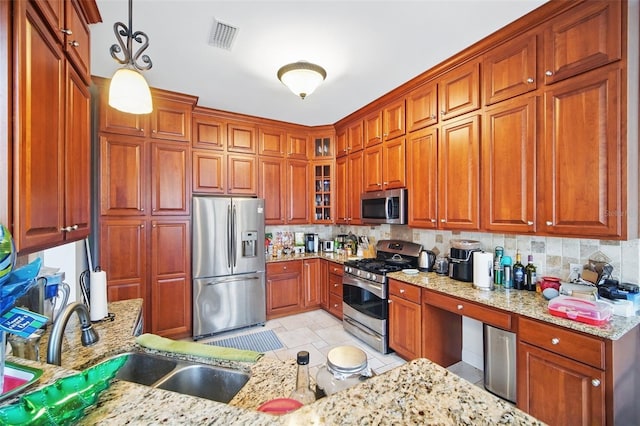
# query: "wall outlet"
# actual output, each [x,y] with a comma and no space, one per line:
[575,271]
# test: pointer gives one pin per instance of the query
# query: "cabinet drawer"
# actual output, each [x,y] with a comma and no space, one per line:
[586,349]
[284,267]
[487,315]
[335,285]
[336,268]
[335,305]
[405,291]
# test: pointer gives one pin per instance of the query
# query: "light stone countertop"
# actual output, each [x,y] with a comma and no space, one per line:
[419,392]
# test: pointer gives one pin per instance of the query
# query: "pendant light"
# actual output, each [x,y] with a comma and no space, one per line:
[129,91]
[302,77]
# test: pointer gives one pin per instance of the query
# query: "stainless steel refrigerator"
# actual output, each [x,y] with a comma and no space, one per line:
[228,264]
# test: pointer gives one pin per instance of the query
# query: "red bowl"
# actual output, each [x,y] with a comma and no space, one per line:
[549,282]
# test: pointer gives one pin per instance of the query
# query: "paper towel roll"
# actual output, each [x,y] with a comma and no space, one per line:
[98,295]
[483,270]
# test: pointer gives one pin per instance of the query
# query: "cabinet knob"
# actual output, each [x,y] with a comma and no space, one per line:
[384,134]
[442,113]
[555,341]
[595,383]
[549,223]
[460,307]
[74,43]
[530,222]
[335,285]
[548,73]
[65,229]
[74,227]
[284,267]
[530,80]
[433,117]
[335,305]
[153,226]
[443,220]
[142,209]
[153,209]
[142,226]
[389,301]
[66,31]
[402,290]
[433,221]
[385,183]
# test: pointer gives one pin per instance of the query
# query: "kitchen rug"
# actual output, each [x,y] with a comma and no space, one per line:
[263,341]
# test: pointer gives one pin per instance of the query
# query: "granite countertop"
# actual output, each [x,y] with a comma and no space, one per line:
[522,302]
[419,392]
[333,257]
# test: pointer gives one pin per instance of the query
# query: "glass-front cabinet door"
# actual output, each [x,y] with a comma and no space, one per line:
[322,191]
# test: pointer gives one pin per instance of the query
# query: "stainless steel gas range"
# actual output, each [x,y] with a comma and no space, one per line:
[365,290]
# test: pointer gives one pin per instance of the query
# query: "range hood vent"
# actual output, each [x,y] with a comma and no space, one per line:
[222,35]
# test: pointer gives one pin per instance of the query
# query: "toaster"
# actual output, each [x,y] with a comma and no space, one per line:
[327,246]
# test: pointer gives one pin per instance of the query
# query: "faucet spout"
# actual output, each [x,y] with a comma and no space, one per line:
[88,338]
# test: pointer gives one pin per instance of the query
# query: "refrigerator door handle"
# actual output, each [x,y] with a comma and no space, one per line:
[234,249]
[230,280]
[229,225]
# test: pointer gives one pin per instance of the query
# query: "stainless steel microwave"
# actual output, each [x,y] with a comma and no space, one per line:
[388,206]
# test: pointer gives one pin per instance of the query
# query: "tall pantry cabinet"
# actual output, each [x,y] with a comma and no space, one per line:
[145,187]
[45,112]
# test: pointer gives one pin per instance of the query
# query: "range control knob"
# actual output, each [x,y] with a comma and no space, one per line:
[368,276]
[373,277]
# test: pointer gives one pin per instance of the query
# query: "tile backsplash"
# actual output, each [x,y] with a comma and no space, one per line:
[551,255]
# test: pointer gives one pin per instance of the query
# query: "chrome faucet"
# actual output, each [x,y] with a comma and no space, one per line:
[88,338]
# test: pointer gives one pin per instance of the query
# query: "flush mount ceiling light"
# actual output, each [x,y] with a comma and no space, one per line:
[129,91]
[302,78]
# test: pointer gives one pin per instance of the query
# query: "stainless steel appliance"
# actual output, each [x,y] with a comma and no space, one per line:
[426,261]
[500,362]
[228,264]
[461,259]
[311,242]
[389,206]
[365,290]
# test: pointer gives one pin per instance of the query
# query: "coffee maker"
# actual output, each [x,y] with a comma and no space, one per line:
[311,243]
[461,259]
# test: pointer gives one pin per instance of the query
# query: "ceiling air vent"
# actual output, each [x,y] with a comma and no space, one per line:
[222,35]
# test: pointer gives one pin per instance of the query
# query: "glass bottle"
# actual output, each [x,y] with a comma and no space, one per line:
[530,274]
[303,392]
[518,273]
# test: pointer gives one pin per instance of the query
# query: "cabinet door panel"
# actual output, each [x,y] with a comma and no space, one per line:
[241,138]
[272,177]
[405,327]
[171,120]
[373,129]
[297,191]
[458,173]
[170,278]
[123,176]
[170,179]
[342,143]
[78,43]
[342,190]
[459,91]
[393,120]
[298,147]
[422,107]
[393,164]
[356,137]
[208,132]
[271,141]
[582,39]
[40,135]
[311,273]
[356,186]
[509,166]
[373,168]
[242,174]
[422,179]
[77,157]
[545,378]
[209,172]
[582,169]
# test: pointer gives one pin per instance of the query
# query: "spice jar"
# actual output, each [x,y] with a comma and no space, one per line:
[346,366]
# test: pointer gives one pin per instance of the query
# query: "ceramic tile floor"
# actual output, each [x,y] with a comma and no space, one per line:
[318,332]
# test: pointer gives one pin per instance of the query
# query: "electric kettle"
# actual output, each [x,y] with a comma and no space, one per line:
[426,261]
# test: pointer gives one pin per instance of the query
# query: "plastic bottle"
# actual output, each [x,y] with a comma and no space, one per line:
[507,279]
[303,392]
[530,274]
[497,266]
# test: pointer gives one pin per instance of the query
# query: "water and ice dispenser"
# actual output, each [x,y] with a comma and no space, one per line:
[249,243]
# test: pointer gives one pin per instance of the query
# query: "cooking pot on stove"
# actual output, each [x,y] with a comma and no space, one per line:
[426,260]
[397,260]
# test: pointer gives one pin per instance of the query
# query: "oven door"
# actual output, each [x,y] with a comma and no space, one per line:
[366,297]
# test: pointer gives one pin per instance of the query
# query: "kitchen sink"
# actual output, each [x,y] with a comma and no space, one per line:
[185,377]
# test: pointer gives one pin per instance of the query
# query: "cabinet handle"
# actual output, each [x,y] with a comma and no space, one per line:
[530,80]
[74,227]
[65,229]
[555,341]
[74,43]
[548,73]
[460,307]
[530,222]
[549,223]
[66,31]
[595,383]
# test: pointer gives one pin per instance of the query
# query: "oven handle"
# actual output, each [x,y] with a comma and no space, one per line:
[361,329]
[375,288]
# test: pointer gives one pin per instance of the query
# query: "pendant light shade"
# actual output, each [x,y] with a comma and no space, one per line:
[302,78]
[129,92]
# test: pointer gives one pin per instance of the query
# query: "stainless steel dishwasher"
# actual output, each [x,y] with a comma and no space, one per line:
[500,362]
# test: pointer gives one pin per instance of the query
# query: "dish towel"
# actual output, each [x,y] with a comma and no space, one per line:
[153,341]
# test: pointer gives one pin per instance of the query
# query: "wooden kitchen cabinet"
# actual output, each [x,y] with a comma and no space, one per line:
[458,174]
[336,271]
[284,288]
[583,184]
[170,182]
[510,69]
[51,133]
[324,284]
[384,165]
[171,278]
[373,129]
[459,91]
[298,185]
[242,174]
[349,186]
[422,178]
[584,38]
[241,138]
[209,172]
[171,117]
[271,178]
[298,146]
[509,166]
[405,320]
[422,107]
[322,191]
[393,120]
[207,130]
[312,288]
[272,141]
[350,139]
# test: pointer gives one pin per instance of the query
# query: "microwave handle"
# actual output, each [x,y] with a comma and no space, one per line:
[389,207]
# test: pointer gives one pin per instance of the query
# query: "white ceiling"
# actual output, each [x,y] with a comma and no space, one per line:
[367,47]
